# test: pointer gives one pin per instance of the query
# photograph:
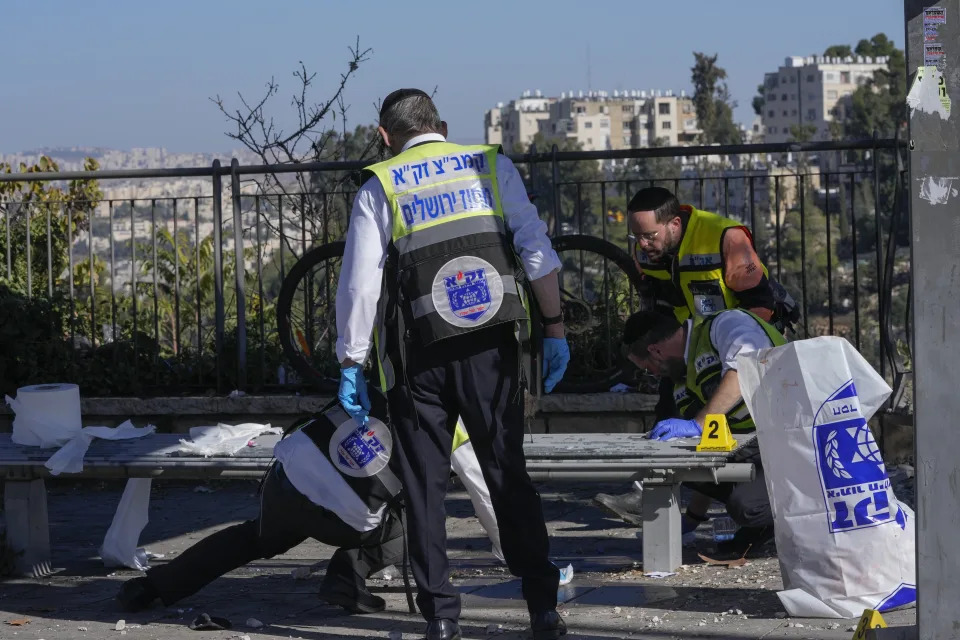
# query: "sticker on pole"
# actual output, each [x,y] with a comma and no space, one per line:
[361,450]
[467,291]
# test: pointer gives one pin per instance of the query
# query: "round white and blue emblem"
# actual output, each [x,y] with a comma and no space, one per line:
[359,450]
[467,291]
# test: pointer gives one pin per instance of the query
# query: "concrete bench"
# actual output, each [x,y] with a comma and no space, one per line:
[660,466]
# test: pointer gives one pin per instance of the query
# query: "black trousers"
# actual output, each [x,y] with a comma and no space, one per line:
[286,519]
[747,502]
[475,376]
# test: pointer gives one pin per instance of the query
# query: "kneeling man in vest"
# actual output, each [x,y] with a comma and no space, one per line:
[331,482]
[704,357]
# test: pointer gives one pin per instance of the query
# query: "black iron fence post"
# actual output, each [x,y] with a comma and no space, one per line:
[878,228]
[239,276]
[555,174]
[218,269]
[49,253]
[29,256]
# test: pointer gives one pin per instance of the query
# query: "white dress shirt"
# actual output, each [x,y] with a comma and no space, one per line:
[733,332]
[311,473]
[370,233]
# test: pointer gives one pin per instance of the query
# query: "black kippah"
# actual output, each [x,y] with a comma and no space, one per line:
[397,96]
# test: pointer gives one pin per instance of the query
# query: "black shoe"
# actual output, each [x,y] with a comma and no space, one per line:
[745,540]
[137,594]
[352,598]
[443,630]
[628,506]
[547,625]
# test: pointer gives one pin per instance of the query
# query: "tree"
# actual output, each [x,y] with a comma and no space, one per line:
[838,51]
[27,206]
[317,136]
[335,187]
[759,100]
[878,45]
[880,103]
[576,209]
[712,101]
[665,170]
[802,132]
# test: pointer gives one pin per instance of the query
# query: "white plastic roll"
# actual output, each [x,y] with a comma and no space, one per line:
[47,415]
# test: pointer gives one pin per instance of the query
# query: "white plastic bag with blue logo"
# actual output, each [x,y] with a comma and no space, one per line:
[844,542]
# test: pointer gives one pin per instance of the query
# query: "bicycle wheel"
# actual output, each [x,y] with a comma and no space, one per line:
[306,316]
[598,291]
[598,285]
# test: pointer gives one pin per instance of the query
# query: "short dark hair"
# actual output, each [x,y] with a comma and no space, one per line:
[648,327]
[406,113]
[657,199]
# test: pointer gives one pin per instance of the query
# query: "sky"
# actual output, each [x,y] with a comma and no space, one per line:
[123,74]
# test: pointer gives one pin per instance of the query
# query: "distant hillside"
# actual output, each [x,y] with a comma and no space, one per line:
[71,158]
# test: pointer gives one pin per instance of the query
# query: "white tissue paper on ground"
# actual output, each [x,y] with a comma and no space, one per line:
[119,548]
[69,459]
[223,439]
[844,542]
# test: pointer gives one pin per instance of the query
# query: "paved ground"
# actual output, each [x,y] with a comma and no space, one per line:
[608,598]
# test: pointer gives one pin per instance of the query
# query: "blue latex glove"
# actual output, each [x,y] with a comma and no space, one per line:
[556,356]
[675,428]
[353,393]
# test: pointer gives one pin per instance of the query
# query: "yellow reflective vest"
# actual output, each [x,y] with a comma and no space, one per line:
[455,270]
[704,368]
[692,281]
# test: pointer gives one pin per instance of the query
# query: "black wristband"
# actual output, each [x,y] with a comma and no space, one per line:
[557,319]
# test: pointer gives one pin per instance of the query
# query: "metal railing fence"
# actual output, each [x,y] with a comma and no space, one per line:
[176,293]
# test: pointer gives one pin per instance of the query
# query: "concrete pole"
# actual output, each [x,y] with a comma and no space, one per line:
[935,229]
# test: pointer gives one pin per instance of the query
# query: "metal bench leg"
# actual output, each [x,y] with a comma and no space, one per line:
[28,529]
[662,549]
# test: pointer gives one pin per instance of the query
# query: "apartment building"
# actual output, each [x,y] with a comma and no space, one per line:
[598,120]
[518,122]
[813,90]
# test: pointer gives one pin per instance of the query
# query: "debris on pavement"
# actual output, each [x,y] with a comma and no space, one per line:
[387,573]
[206,622]
[738,562]
[301,573]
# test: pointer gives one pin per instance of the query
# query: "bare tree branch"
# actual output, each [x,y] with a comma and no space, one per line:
[314,137]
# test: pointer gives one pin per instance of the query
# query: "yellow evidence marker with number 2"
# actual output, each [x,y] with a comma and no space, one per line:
[716,434]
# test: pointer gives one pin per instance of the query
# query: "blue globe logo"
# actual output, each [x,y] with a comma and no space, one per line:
[867,448]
